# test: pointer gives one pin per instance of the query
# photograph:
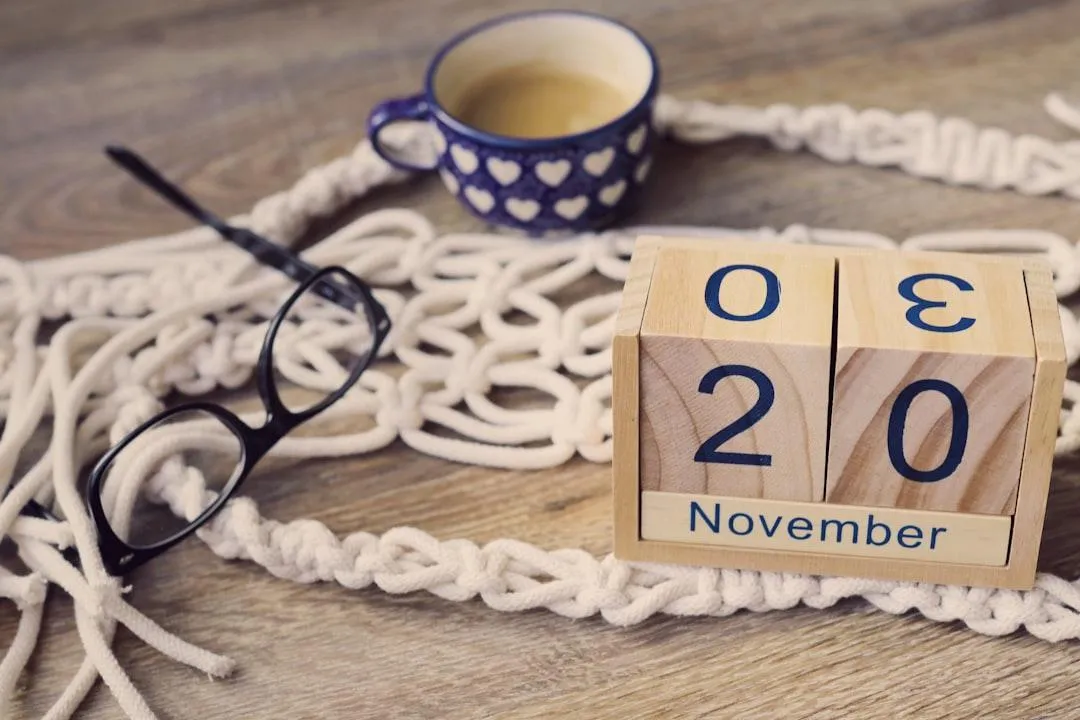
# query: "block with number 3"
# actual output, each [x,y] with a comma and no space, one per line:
[735,373]
[934,369]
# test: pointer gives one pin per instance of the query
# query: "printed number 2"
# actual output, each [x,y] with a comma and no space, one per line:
[708,452]
[957,440]
[914,313]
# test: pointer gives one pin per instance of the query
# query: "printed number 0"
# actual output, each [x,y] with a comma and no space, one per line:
[768,306]
[708,452]
[914,313]
[957,441]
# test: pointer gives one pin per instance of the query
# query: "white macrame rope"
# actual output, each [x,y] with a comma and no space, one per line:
[130,333]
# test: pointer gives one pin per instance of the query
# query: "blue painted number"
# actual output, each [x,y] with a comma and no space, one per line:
[708,452]
[768,307]
[914,313]
[957,441]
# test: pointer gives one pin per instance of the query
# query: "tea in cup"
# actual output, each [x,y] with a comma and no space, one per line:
[542,121]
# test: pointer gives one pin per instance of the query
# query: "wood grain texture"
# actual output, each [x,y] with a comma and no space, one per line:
[770,297]
[662,536]
[884,352]
[781,456]
[625,461]
[771,329]
[236,98]
[826,528]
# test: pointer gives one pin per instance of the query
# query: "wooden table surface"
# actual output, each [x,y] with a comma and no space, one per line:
[237,97]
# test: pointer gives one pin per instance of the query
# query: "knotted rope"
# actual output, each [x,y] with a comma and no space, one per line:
[131,333]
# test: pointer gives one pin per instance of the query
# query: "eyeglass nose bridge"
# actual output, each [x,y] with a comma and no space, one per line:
[257,442]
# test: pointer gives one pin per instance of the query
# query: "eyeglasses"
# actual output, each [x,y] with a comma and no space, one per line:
[211,439]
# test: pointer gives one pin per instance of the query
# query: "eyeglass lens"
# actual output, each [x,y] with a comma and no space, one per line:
[187,445]
[321,342]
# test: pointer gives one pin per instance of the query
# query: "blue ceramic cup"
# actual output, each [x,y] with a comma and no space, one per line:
[584,178]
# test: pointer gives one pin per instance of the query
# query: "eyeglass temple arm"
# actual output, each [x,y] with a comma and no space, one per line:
[263,250]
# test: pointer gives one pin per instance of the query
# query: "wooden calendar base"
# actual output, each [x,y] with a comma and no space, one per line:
[776,521]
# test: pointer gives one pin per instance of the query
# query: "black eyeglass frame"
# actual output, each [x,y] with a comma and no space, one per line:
[119,556]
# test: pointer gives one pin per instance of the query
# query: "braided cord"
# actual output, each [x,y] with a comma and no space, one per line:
[437,374]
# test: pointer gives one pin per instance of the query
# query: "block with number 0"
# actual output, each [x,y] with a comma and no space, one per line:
[833,410]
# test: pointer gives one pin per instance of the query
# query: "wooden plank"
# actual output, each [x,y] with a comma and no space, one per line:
[1042,425]
[837,530]
[625,397]
[625,467]
[238,99]
[635,291]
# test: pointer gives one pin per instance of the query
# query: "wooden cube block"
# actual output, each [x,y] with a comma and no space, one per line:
[935,361]
[735,373]
[1008,370]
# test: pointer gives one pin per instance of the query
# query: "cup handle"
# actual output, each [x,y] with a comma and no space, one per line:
[392,111]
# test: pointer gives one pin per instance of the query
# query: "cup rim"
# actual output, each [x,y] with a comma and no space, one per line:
[508,141]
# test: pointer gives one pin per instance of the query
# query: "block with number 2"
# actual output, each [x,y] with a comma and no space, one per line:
[834,410]
[727,370]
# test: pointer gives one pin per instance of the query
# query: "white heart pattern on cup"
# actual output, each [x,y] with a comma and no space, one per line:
[440,142]
[553,172]
[523,210]
[464,159]
[450,181]
[636,140]
[642,169]
[505,171]
[571,208]
[611,194]
[598,162]
[482,200]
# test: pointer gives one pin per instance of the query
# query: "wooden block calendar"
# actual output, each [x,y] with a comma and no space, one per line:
[835,411]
